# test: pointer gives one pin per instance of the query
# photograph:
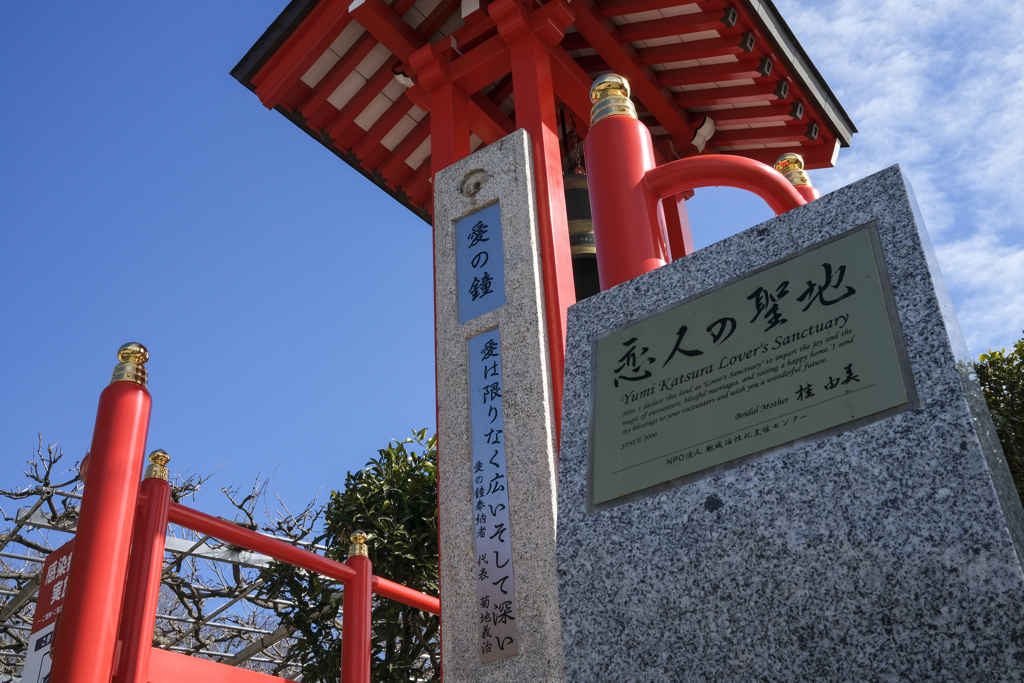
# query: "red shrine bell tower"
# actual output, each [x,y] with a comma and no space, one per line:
[400,91]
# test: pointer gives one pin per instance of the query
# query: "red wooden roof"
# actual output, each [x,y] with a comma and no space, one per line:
[341,77]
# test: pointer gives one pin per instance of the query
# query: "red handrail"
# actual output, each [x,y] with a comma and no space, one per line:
[725,170]
[279,550]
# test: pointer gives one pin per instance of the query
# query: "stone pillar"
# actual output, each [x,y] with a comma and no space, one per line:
[496,427]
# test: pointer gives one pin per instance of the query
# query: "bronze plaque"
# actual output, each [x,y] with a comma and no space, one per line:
[803,346]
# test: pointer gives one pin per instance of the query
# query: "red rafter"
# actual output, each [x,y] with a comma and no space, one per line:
[316,108]
[797,132]
[716,20]
[572,84]
[574,41]
[418,181]
[782,72]
[502,89]
[407,146]
[316,105]
[591,64]
[621,56]
[387,26]
[481,66]
[617,8]
[745,44]
[773,112]
[821,155]
[487,121]
[714,73]
[384,23]
[382,126]
[469,36]
[731,95]
[302,48]
[354,107]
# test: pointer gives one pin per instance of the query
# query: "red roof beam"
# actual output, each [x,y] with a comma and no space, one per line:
[786,112]
[715,20]
[716,73]
[482,65]
[316,106]
[469,36]
[821,155]
[618,8]
[418,180]
[355,106]
[621,56]
[387,26]
[572,84]
[437,18]
[293,59]
[399,177]
[501,90]
[488,122]
[759,92]
[390,167]
[782,71]
[382,126]
[574,41]
[745,44]
[801,133]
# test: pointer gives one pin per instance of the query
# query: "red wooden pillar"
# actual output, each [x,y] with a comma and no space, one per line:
[628,230]
[142,591]
[356,620]
[84,648]
[448,105]
[530,37]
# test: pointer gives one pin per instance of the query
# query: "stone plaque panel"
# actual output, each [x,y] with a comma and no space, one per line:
[801,346]
[480,261]
[495,580]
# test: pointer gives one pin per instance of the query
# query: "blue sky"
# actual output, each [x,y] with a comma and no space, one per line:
[287,303]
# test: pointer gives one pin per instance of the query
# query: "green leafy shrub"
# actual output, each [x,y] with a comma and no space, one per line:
[1001,375]
[394,501]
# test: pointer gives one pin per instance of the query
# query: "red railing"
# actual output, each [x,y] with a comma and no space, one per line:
[106,630]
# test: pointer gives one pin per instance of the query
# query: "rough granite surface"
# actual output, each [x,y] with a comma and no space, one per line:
[888,553]
[503,170]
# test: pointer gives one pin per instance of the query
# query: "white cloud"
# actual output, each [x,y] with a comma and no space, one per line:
[938,87]
[988,276]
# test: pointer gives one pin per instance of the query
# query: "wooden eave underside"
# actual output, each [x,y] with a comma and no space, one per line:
[339,77]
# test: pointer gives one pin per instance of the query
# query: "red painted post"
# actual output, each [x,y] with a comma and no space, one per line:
[677,223]
[84,649]
[628,234]
[138,615]
[530,38]
[356,618]
[448,105]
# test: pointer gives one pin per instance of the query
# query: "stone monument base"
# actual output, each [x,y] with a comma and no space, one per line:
[888,551]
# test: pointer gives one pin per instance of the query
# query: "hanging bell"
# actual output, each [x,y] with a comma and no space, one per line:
[581,235]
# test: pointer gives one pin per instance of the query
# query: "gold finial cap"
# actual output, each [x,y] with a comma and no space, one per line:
[358,547]
[791,165]
[133,357]
[610,95]
[158,465]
